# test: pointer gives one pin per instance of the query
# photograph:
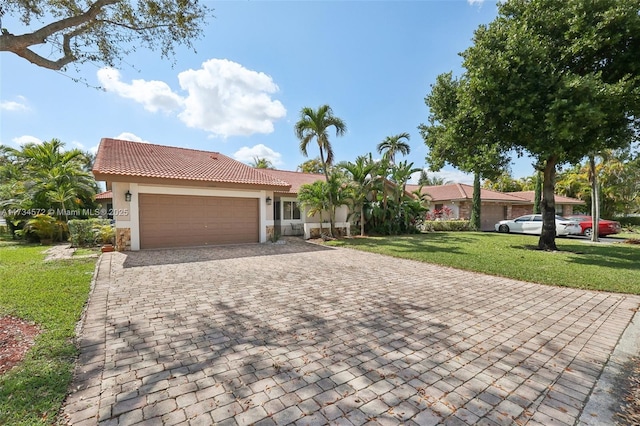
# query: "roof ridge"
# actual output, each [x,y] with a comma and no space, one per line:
[295,171]
[166,146]
[461,190]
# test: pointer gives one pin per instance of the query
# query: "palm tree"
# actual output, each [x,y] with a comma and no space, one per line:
[400,175]
[312,197]
[391,145]
[261,163]
[361,177]
[61,195]
[315,124]
[426,180]
[46,167]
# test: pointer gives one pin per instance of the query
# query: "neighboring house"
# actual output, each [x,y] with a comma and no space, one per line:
[176,197]
[564,205]
[288,219]
[495,206]
[105,199]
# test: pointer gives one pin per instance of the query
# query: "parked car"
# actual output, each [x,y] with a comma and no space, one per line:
[605,227]
[532,224]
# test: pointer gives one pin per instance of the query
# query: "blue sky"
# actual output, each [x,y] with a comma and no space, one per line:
[257,65]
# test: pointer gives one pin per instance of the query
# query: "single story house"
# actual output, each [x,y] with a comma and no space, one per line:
[495,206]
[164,196]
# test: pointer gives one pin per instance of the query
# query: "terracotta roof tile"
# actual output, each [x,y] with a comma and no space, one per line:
[529,196]
[296,179]
[125,158]
[106,195]
[461,191]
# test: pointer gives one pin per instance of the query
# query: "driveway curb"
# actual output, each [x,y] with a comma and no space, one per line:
[606,397]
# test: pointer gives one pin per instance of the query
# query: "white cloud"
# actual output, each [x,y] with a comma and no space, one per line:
[227,99]
[473,2]
[223,97]
[25,139]
[20,105]
[454,176]
[247,155]
[128,136]
[153,95]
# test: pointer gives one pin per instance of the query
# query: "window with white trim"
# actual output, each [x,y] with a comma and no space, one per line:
[290,210]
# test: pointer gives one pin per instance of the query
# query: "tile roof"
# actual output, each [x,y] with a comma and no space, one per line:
[135,159]
[296,179]
[106,195]
[461,191]
[529,196]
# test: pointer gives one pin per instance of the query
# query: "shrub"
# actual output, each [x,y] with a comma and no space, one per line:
[47,228]
[83,231]
[446,225]
[445,213]
[105,234]
[628,220]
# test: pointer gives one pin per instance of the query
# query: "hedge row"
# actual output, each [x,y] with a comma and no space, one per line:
[628,220]
[446,225]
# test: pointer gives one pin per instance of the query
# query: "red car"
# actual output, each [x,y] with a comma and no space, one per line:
[605,227]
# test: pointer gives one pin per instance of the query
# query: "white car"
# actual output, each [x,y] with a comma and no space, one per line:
[532,224]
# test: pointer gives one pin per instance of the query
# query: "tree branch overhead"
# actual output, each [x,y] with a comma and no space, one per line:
[105,32]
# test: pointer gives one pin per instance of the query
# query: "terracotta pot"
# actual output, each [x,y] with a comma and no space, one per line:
[107,248]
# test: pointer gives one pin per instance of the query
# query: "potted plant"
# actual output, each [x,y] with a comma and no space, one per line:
[105,235]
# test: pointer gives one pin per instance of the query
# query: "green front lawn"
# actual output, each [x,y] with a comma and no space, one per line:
[608,267]
[51,294]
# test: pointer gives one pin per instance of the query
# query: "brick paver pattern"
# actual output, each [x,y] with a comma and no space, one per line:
[302,334]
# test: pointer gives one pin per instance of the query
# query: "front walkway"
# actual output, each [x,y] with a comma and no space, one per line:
[298,333]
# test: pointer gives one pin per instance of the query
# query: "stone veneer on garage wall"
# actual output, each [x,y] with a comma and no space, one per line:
[123,239]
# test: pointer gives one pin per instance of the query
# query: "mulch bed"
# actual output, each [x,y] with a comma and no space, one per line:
[16,337]
[630,406]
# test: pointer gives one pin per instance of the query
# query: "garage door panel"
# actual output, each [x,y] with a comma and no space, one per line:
[490,215]
[183,221]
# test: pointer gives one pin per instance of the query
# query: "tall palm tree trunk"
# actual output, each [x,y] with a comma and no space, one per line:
[330,197]
[595,199]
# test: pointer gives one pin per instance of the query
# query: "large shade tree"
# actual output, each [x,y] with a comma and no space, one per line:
[53,34]
[458,135]
[560,80]
[313,165]
[315,125]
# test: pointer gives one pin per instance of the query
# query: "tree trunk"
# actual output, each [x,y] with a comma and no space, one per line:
[538,193]
[595,200]
[331,211]
[548,236]
[476,205]
[362,220]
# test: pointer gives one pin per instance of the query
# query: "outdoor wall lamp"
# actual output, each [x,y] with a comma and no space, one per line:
[268,201]
[127,196]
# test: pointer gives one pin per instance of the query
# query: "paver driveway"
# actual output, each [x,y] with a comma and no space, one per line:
[303,334]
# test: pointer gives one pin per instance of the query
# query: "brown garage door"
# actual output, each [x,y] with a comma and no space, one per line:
[185,220]
[491,214]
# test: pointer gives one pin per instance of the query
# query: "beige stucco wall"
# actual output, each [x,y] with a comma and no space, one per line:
[341,215]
